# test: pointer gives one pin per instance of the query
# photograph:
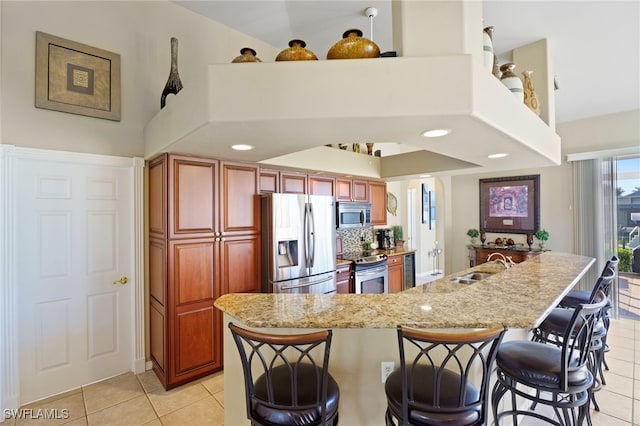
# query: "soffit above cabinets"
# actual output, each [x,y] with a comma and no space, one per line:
[288,107]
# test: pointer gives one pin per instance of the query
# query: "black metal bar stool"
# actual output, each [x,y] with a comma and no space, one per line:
[293,385]
[552,329]
[576,297]
[556,376]
[443,377]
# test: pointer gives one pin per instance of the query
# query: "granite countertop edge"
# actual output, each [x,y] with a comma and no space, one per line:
[518,297]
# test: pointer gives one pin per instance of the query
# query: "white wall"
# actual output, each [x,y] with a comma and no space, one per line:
[556,188]
[140,33]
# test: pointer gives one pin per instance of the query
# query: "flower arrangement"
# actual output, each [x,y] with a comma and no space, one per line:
[473,233]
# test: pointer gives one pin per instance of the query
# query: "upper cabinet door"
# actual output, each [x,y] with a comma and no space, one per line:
[378,198]
[360,190]
[158,197]
[293,183]
[343,190]
[241,202]
[269,181]
[321,185]
[192,197]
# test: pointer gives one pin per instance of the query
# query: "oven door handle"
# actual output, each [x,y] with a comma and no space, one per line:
[372,271]
[308,284]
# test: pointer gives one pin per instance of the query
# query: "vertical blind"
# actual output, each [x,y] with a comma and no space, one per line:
[594,210]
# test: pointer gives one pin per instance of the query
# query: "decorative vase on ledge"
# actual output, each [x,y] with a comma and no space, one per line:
[296,52]
[247,54]
[353,46]
[512,81]
[174,85]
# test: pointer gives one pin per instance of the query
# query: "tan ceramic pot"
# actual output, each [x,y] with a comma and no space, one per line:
[247,54]
[296,52]
[353,46]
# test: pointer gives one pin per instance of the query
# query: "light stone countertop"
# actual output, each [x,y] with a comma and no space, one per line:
[518,297]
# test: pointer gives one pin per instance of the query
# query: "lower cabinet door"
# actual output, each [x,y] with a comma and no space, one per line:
[197,342]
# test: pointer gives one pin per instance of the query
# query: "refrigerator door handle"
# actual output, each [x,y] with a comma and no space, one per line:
[308,284]
[312,237]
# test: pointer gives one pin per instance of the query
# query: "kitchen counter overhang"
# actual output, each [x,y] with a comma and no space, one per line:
[518,297]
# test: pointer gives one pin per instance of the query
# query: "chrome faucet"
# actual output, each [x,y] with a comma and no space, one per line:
[505,261]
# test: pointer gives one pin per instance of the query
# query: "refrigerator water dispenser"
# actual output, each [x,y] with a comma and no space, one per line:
[287,254]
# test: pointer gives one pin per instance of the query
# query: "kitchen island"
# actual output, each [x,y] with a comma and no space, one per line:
[364,324]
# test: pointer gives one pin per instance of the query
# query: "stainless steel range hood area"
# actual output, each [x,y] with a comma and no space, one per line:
[284,108]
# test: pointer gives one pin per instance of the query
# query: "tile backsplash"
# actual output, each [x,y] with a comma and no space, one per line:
[352,238]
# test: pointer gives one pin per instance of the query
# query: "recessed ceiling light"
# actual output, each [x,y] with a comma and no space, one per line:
[425,176]
[242,147]
[498,155]
[436,133]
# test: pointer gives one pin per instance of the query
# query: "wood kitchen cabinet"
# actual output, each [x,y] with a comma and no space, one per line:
[204,241]
[293,183]
[378,198]
[352,190]
[321,185]
[269,181]
[395,264]
[344,283]
[479,254]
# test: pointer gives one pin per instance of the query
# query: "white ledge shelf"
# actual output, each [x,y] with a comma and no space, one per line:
[286,107]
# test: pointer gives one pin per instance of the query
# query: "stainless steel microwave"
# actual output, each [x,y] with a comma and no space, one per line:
[353,215]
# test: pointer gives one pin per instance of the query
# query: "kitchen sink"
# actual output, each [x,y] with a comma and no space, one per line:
[471,278]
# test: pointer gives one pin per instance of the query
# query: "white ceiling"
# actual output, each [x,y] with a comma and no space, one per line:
[595,45]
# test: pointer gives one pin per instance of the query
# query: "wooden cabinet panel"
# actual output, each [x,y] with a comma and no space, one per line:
[343,189]
[240,204]
[396,273]
[241,264]
[196,341]
[360,190]
[157,270]
[478,255]
[344,283]
[378,198]
[191,271]
[157,333]
[192,204]
[293,183]
[321,185]
[158,197]
[269,181]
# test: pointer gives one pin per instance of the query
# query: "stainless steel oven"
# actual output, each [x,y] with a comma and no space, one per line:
[371,275]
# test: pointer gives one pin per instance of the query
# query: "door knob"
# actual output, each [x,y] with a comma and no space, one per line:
[123,280]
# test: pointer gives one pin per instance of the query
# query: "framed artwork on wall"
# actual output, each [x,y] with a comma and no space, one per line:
[425,203]
[510,204]
[76,78]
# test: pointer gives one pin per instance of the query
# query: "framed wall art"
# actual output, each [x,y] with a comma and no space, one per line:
[76,78]
[425,203]
[510,204]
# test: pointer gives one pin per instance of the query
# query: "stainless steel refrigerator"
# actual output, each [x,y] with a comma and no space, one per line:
[298,243]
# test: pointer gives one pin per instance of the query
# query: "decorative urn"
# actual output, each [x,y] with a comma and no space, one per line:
[353,46]
[296,52]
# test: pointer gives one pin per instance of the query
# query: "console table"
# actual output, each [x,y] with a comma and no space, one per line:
[478,254]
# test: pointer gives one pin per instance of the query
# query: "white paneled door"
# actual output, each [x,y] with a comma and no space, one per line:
[74,268]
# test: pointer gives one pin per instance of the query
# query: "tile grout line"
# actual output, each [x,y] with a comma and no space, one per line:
[146,395]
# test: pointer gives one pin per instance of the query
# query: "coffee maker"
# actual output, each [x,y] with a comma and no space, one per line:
[384,237]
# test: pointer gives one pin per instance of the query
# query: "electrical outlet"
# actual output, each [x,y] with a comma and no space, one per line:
[387,368]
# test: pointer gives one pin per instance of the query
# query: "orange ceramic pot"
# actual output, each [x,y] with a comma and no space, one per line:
[353,46]
[296,52]
[247,54]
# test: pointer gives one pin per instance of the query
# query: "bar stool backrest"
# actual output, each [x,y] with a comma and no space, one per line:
[578,335]
[265,355]
[469,354]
